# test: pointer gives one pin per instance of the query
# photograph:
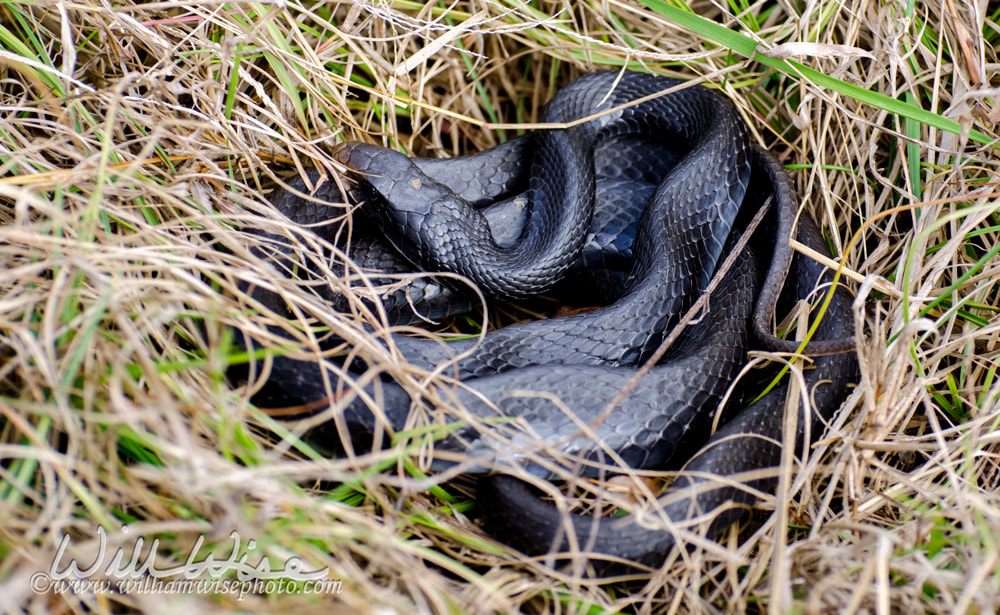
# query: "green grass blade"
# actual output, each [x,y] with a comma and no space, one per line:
[748,48]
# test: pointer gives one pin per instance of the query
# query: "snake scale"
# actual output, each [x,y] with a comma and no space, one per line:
[651,193]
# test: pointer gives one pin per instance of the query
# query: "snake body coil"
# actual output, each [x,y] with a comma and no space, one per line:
[695,200]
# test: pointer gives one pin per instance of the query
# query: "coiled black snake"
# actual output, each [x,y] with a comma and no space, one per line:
[684,158]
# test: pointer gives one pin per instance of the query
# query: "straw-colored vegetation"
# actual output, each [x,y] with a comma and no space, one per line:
[138,143]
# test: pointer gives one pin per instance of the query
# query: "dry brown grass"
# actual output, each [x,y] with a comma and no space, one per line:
[134,141]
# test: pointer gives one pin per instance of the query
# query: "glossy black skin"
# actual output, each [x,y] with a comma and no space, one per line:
[584,360]
[748,443]
[680,233]
[627,171]
[642,430]
[437,229]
